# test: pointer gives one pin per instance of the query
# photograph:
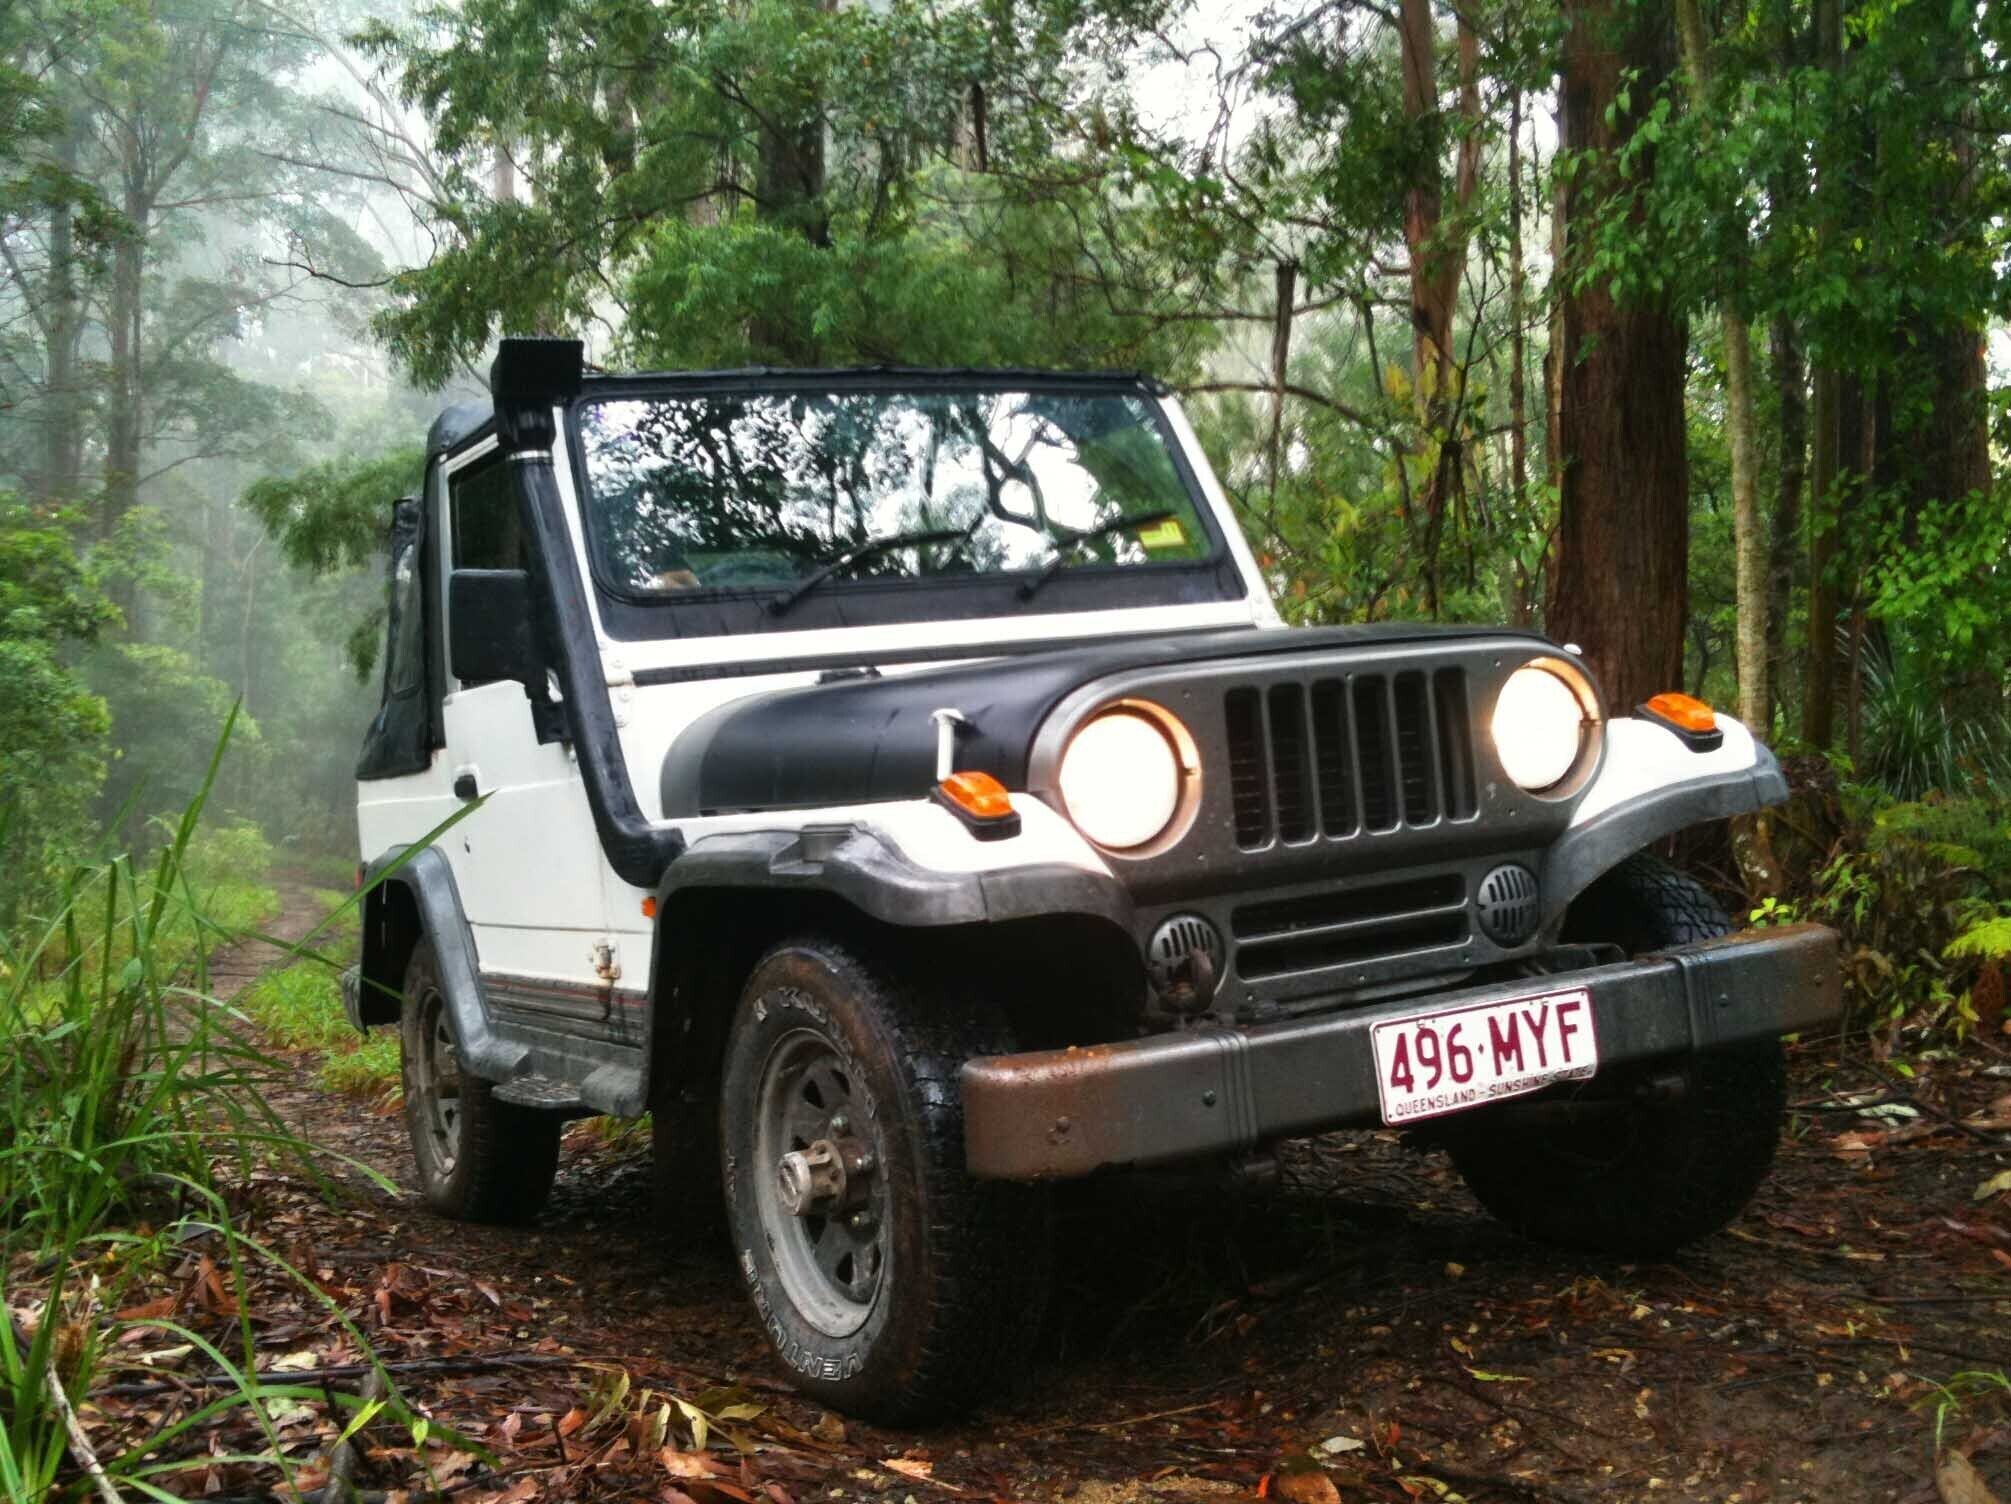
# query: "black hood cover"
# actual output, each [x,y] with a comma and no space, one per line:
[861,740]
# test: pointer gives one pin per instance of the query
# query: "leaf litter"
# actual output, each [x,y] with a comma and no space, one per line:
[1356,1332]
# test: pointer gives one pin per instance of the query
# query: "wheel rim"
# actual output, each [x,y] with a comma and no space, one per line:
[436,1085]
[829,1247]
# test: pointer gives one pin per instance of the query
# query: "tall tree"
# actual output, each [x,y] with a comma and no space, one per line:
[1620,586]
[1749,541]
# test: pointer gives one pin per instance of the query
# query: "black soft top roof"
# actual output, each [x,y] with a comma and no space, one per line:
[466,422]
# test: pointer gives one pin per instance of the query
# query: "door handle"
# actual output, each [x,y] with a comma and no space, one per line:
[464,786]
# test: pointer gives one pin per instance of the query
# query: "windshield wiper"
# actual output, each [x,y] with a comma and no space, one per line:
[1065,548]
[861,551]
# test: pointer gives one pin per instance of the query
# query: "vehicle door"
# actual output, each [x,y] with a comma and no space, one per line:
[527,861]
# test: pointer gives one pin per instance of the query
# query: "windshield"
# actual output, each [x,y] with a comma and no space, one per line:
[762,490]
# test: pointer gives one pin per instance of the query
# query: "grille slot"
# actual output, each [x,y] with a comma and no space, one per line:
[1249,780]
[1291,763]
[1334,928]
[1455,744]
[1345,756]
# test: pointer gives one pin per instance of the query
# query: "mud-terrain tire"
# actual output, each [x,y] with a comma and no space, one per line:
[929,1302]
[1638,1178]
[479,1160]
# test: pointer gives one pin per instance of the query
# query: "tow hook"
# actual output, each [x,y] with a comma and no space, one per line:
[1664,1090]
[828,1177]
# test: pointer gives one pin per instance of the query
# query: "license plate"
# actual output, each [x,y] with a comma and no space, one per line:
[1466,1057]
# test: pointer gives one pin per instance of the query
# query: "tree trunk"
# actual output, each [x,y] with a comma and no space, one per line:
[1749,546]
[789,193]
[1553,343]
[1620,588]
[123,417]
[1437,254]
[1281,359]
[1518,354]
[1430,291]
[1749,530]
[1791,383]
[1819,679]
[63,428]
[1954,455]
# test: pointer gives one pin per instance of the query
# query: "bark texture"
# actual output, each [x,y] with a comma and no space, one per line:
[1791,385]
[1826,460]
[1620,585]
[1749,547]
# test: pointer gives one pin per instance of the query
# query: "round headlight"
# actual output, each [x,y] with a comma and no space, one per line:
[1121,780]
[1539,727]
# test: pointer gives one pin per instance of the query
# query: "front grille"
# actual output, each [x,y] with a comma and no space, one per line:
[1346,756]
[1344,925]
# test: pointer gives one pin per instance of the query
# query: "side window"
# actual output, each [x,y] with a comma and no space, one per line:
[486,531]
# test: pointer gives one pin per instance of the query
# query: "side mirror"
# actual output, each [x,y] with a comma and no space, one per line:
[490,630]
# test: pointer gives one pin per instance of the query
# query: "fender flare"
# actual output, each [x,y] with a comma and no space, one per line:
[692,982]
[852,863]
[1587,852]
[427,882]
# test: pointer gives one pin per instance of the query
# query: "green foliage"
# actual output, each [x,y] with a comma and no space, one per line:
[164,707]
[836,212]
[126,1096]
[332,515]
[1922,893]
[1987,940]
[330,519]
[1942,576]
[53,730]
[1923,729]
[299,1008]
[1965,1392]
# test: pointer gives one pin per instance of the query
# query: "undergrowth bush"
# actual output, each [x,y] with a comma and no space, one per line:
[126,1094]
[1921,890]
[300,1008]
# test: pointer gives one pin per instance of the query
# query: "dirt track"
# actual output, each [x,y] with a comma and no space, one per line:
[1363,1308]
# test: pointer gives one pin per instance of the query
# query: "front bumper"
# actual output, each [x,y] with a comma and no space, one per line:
[1054,1114]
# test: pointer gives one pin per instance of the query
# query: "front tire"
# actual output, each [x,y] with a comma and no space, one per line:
[1635,1178]
[895,1287]
[479,1160]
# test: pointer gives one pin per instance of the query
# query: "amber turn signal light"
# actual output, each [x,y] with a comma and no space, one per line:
[1686,711]
[1686,715]
[981,802]
[979,793]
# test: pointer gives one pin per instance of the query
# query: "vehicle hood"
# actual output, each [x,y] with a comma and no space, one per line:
[860,740]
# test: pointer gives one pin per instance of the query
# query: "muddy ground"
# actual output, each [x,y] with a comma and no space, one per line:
[1358,1330]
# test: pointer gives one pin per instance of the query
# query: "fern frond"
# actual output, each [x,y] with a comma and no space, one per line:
[1988,941]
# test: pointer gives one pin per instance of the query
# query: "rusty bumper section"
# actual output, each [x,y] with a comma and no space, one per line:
[1053,1114]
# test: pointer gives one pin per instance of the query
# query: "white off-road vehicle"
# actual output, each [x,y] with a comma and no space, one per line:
[900,784]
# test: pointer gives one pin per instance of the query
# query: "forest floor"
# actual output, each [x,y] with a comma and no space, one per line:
[1358,1331]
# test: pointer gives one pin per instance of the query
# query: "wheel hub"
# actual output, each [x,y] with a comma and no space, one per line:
[822,1199]
[825,1179]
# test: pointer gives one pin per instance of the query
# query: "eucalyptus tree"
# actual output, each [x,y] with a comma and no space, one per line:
[782,181]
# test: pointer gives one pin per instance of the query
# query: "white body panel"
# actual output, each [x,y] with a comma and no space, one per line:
[1642,757]
[539,893]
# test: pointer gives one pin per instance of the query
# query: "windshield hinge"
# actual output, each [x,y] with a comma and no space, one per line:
[617,673]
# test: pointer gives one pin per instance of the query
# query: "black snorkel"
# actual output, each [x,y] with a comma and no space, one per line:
[530,380]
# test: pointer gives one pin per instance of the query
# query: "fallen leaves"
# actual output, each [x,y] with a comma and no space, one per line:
[1308,1485]
[1996,1185]
[1958,1482]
